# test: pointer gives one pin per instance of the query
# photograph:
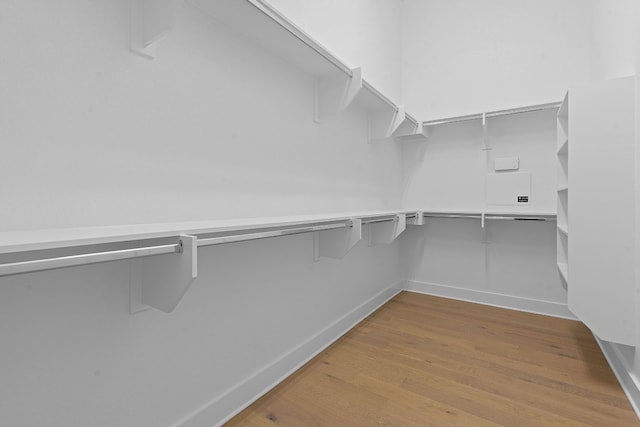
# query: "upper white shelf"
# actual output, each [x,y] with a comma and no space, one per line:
[563,111]
[490,114]
[259,22]
[262,24]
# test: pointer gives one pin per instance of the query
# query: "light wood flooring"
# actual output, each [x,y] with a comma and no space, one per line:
[427,361]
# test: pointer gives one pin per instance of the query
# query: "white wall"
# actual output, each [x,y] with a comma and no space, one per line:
[468,56]
[510,263]
[616,37]
[362,33]
[454,167]
[213,128]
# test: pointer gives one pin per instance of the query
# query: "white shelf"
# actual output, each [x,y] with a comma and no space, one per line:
[563,188]
[490,114]
[564,271]
[262,24]
[20,241]
[563,229]
[163,280]
[31,240]
[511,212]
[563,111]
[563,149]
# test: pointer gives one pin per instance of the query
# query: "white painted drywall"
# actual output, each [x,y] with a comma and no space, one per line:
[362,33]
[511,263]
[453,170]
[616,40]
[213,128]
[468,56]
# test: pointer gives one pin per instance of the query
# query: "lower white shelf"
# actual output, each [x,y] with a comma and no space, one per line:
[564,271]
[563,229]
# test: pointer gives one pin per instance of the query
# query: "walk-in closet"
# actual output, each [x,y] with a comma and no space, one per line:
[319,212]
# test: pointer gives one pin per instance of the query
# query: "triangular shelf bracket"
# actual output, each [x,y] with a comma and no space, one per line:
[420,133]
[406,128]
[334,94]
[417,220]
[161,281]
[150,21]
[384,123]
[337,243]
[383,233]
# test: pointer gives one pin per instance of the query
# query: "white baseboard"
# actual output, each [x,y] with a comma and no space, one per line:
[547,308]
[628,381]
[223,407]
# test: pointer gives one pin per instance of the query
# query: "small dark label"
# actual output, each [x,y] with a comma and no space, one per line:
[523,199]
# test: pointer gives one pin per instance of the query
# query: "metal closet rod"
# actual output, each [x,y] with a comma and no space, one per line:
[498,113]
[83,259]
[489,216]
[122,254]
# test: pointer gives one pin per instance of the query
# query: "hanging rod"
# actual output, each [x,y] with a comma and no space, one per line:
[83,259]
[489,216]
[266,234]
[528,109]
[20,267]
[377,220]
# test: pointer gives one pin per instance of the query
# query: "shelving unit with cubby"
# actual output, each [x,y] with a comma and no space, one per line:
[601,254]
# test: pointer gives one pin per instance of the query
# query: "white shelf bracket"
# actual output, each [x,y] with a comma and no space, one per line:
[407,128]
[161,281]
[422,131]
[385,123]
[417,220]
[337,243]
[150,21]
[384,233]
[484,238]
[333,95]
[485,133]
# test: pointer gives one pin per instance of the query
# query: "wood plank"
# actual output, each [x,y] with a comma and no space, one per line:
[428,361]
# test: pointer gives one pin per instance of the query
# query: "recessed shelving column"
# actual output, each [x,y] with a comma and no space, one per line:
[563,190]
